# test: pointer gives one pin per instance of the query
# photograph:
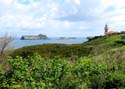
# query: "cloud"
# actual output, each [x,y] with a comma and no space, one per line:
[78,17]
[82,11]
[6,2]
[56,17]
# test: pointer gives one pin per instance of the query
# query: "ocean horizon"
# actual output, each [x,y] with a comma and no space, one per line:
[18,43]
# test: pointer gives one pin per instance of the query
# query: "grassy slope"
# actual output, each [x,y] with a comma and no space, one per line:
[94,47]
[108,48]
[105,43]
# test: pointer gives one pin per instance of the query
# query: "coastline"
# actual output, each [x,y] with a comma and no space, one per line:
[21,43]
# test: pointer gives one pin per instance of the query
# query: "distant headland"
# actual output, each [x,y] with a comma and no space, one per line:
[34,37]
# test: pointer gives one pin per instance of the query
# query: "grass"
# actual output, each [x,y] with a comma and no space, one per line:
[105,44]
[94,47]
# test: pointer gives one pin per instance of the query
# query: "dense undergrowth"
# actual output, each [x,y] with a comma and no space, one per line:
[96,64]
[37,72]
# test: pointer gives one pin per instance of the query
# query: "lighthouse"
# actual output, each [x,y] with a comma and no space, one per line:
[106,28]
[107,32]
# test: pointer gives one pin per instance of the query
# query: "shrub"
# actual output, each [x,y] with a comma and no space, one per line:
[119,43]
[36,72]
[52,50]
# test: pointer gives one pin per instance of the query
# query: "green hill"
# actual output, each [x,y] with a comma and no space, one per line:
[98,64]
[96,46]
[107,48]
[104,41]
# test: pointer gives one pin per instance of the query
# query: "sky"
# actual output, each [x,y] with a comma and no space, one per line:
[61,18]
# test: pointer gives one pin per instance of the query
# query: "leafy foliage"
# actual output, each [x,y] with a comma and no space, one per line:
[36,72]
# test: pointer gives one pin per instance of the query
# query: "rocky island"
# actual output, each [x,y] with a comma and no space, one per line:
[34,37]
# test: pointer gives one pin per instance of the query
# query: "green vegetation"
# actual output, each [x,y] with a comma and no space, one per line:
[96,64]
[94,47]
[36,72]
[52,50]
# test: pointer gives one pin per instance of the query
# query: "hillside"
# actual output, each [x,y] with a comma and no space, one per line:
[94,47]
[107,41]
[107,48]
[96,64]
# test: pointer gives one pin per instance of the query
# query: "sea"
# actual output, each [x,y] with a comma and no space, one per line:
[18,43]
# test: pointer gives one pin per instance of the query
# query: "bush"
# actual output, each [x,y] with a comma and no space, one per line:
[36,72]
[119,43]
[115,80]
[52,50]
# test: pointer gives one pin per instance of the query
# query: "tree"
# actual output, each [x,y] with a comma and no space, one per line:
[5,43]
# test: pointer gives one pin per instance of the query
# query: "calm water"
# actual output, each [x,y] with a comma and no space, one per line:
[20,43]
